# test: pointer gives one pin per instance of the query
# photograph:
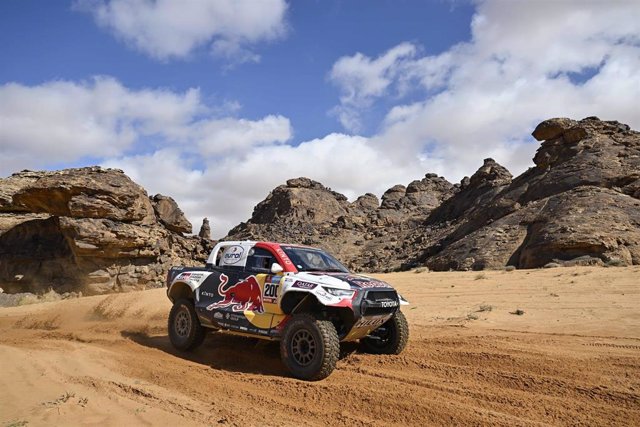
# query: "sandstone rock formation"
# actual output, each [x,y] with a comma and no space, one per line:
[366,234]
[170,215]
[581,199]
[205,230]
[89,229]
[94,230]
[579,204]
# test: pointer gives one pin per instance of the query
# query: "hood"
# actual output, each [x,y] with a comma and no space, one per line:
[355,281]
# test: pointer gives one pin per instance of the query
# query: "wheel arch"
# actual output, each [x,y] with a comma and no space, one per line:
[296,301]
[180,290]
[299,301]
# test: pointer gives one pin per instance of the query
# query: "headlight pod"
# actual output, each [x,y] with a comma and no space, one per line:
[343,293]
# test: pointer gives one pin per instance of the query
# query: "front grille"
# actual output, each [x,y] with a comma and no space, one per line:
[375,303]
[381,295]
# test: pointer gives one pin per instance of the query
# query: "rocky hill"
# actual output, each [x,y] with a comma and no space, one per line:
[89,229]
[95,230]
[365,234]
[579,204]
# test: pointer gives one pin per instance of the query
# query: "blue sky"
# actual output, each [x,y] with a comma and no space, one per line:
[216,102]
[52,40]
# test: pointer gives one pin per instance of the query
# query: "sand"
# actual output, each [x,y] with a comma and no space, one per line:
[572,358]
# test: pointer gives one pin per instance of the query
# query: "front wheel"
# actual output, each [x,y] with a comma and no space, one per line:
[185,331]
[310,347]
[390,338]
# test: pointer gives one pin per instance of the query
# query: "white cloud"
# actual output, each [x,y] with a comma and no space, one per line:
[482,98]
[173,143]
[362,79]
[61,121]
[65,122]
[234,136]
[228,188]
[166,29]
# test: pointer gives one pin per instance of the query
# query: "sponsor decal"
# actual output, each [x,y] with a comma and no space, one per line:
[208,294]
[304,285]
[321,292]
[388,304]
[244,295]
[217,315]
[233,317]
[270,292]
[196,276]
[283,256]
[366,283]
[183,276]
[232,254]
[364,322]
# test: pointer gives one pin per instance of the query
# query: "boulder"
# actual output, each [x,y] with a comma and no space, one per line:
[90,192]
[88,230]
[553,128]
[170,214]
[489,180]
[205,230]
[366,203]
[393,197]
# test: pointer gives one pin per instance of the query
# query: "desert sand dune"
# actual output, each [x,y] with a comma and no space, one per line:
[572,357]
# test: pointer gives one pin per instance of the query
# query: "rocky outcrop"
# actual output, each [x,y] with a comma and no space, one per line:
[94,230]
[300,211]
[170,215]
[94,193]
[365,234]
[91,230]
[579,204]
[205,230]
[580,200]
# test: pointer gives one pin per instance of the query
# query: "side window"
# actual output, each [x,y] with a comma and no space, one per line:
[232,257]
[259,261]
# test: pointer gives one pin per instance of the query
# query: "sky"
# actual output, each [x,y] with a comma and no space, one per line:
[216,102]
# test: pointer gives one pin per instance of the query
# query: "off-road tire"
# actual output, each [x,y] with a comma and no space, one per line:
[185,330]
[309,347]
[390,338]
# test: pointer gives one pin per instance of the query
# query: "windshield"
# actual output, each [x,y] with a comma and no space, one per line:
[308,259]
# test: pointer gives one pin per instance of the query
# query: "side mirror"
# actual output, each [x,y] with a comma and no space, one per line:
[276,268]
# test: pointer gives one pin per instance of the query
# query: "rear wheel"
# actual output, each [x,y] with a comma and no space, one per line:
[310,347]
[185,331]
[390,338]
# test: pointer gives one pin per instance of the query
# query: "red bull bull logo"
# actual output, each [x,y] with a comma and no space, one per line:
[244,295]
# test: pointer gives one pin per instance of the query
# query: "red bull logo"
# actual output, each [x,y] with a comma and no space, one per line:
[244,295]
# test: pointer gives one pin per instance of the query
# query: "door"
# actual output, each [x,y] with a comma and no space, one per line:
[242,297]
[218,303]
[259,262]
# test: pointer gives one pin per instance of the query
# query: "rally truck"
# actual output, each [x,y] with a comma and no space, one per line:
[298,295]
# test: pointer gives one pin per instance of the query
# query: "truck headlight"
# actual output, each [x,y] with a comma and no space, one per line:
[343,293]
